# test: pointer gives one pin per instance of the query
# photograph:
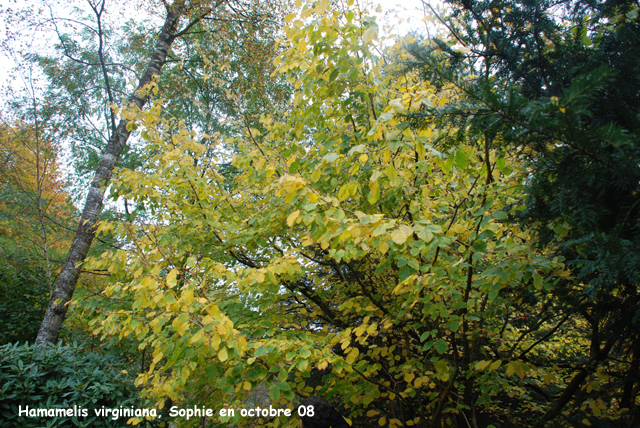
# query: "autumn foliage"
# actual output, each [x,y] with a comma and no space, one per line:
[341,253]
[408,227]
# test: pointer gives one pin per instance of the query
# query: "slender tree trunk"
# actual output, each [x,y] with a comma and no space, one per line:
[66,282]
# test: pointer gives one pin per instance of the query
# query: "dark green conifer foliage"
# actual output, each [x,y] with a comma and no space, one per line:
[559,82]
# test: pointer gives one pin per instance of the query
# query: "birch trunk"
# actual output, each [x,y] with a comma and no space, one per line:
[65,284]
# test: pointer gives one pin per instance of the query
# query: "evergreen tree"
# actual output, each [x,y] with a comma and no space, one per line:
[558,82]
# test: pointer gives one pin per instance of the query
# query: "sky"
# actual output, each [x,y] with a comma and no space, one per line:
[411,11]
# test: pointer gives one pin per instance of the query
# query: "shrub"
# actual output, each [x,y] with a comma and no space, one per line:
[23,299]
[61,376]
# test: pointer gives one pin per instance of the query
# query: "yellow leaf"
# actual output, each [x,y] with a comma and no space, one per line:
[215,341]
[481,365]
[441,366]
[420,150]
[181,323]
[259,277]
[221,330]
[196,337]
[353,354]
[321,6]
[172,278]
[292,217]
[494,366]
[370,34]
[603,376]
[372,413]
[181,328]
[222,355]
[382,421]
[187,297]
[373,186]
[397,105]
[391,173]
[400,235]
[270,170]
[549,378]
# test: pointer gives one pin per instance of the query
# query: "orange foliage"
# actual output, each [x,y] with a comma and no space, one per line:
[34,206]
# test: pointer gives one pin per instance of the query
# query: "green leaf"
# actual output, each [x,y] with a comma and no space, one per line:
[561,230]
[391,173]
[500,215]
[305,353]
[261,351]
[302,365]
[461,159]
[537,281]
[283,386]
[274,393]
[479,245]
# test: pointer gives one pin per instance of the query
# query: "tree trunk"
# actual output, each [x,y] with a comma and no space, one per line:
[66,282]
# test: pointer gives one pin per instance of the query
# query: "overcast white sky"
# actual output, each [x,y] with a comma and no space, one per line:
[410,10]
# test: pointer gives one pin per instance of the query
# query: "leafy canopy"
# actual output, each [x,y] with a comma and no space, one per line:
[344,254]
